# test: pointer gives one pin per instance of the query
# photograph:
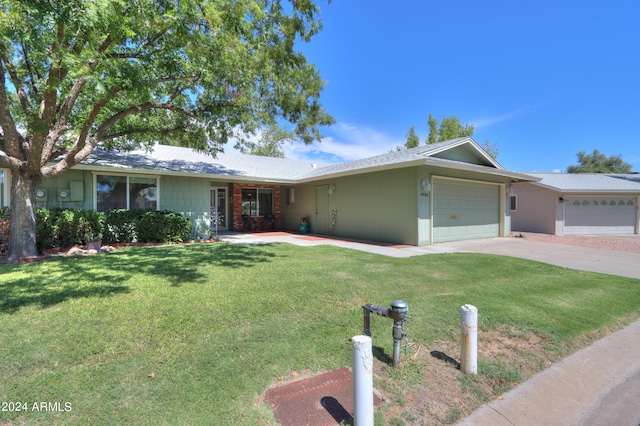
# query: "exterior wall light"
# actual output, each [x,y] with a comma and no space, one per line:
[332,189]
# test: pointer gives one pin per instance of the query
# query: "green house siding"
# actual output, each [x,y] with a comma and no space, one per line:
[189,196]
[78,184]
[378,206]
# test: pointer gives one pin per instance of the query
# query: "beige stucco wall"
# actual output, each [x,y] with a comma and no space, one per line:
[536,209]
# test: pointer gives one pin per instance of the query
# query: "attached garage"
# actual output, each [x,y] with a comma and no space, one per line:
[465,210]
[599,215]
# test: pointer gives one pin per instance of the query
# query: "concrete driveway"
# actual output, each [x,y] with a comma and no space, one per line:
[611,262]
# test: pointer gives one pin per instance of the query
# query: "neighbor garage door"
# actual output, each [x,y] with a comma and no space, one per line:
[599,215]
[465,210]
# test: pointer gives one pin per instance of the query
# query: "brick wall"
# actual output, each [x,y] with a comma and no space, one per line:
[238,226]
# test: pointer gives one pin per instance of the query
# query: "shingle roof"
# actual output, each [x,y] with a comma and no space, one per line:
[391,158]
[589,182]
[171,159]
[176,160]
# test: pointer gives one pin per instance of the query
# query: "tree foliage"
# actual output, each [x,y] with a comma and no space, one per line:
[270,143]
[77,74]
[450,128]
[597,162]
[491,149]
[433,129]
[413,140]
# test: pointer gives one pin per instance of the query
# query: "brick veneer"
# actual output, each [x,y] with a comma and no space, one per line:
[238,226]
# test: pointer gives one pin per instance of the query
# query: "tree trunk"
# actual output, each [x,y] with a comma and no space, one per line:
[22,233]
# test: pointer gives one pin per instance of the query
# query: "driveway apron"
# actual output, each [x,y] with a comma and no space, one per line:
[610,262]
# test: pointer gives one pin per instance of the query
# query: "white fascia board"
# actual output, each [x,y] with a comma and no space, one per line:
[474,144]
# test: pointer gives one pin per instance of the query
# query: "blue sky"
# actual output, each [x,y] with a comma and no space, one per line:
[542,79]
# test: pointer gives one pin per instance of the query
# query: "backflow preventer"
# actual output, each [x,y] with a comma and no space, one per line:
[398,313]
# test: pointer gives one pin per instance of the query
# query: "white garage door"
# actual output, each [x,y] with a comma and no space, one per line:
[464,210]
[599,215]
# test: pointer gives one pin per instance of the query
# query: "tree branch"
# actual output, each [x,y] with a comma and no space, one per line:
[15,80]
[136,110]
[27,62]
[141,130]
[11,138]
[67,106]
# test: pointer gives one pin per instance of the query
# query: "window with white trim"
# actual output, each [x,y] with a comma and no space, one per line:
[126,192]
[514,203]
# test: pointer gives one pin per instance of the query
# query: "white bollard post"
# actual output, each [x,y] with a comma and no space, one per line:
[362,381]
[469,339]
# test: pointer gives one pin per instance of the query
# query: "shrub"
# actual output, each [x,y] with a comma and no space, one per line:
[163,226]
[61,228]
[120,227]
[148,226]
[66,227]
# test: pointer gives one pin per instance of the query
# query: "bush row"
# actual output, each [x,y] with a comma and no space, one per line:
[61,228]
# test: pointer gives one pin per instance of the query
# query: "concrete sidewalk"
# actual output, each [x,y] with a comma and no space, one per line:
[599,385]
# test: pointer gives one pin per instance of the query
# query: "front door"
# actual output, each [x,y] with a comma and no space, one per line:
[218,208]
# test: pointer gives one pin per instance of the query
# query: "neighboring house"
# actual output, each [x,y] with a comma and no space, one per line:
[579,203]
[442,192]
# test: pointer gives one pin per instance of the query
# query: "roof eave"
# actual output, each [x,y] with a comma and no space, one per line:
[514,176]
[218,177]
[518,177]
[473,143]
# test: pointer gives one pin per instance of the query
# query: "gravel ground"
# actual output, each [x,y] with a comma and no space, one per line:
[629,243]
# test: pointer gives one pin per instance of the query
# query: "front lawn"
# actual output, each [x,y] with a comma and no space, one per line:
[194,334]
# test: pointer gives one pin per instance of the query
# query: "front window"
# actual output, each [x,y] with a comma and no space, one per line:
[124,192]
[142,193]
[257,201]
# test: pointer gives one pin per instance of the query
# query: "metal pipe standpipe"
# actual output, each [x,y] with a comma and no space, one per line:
[398,313]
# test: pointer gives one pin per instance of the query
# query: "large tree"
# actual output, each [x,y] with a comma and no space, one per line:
[597,162]
[77,74]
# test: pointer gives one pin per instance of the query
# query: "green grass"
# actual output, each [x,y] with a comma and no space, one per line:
[217,324]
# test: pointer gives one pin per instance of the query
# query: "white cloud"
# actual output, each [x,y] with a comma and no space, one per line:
[346,142]
[488,121]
